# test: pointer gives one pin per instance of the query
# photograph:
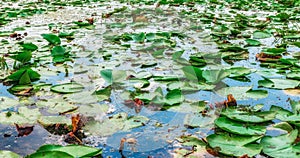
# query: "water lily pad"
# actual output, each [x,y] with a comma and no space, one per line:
[295,106]
[293,75]
[8,154]
[134,122]
[71,150]
[198,120]
[52,39]
[242,93]
[199,147]
[278,83]
[239,128]
[108,126]
[52,120]
[243,116]
[113,76]
[235,145]
[24,76]
[23,116]
[22,57]
[252,42]
[29,46]
[56,105]
[261,35]
[238,71]
[6,103]
[215,76]
[192,73]
[50,154]
[281,146]
[67,88]
[257,94]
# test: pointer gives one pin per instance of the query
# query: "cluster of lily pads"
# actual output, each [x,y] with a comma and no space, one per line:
[158,69]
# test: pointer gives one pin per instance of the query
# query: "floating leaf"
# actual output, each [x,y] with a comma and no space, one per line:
[67,88]
[252,42]
[22,57]
[279,83]
[8,154]
[139,38]
[293,75]
[257,94]
[261,35]
[243,116]
[242,93]
[22,116]
[24,76]
[192,73]
[214,76]
[281,146]
[29,46]
[235,145]
[174,97]
[52,39]
[58,51]
[6,103]
[68,151]
[238,71]
[239,128]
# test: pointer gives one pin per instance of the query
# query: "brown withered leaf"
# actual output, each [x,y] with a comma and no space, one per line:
[230,101]
[23,130]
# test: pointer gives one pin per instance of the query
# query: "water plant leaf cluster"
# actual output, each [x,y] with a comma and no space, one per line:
[210,78]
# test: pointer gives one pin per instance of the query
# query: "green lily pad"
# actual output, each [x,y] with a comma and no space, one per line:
[50,154]
[56,105]
[52,39]
[58,51]
[103,94]
[215,76]
[6,103]
[295,106]
[198,120]
[108,126]
[239,128]
[235,145]
[113,76]
[23,116]
[252,42]
[257,94]
[293,75]
[22,57]
[261,35]
[67,88]
[8,154]
[243,116]
[134,122]
[274,51]
[279,83]
[238,71]
[242,93]
[197,144]
[52,120]
[71,150]
[174,97]
[192,73]
[281,146]
[24,76]
[29,46]
[139,38]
